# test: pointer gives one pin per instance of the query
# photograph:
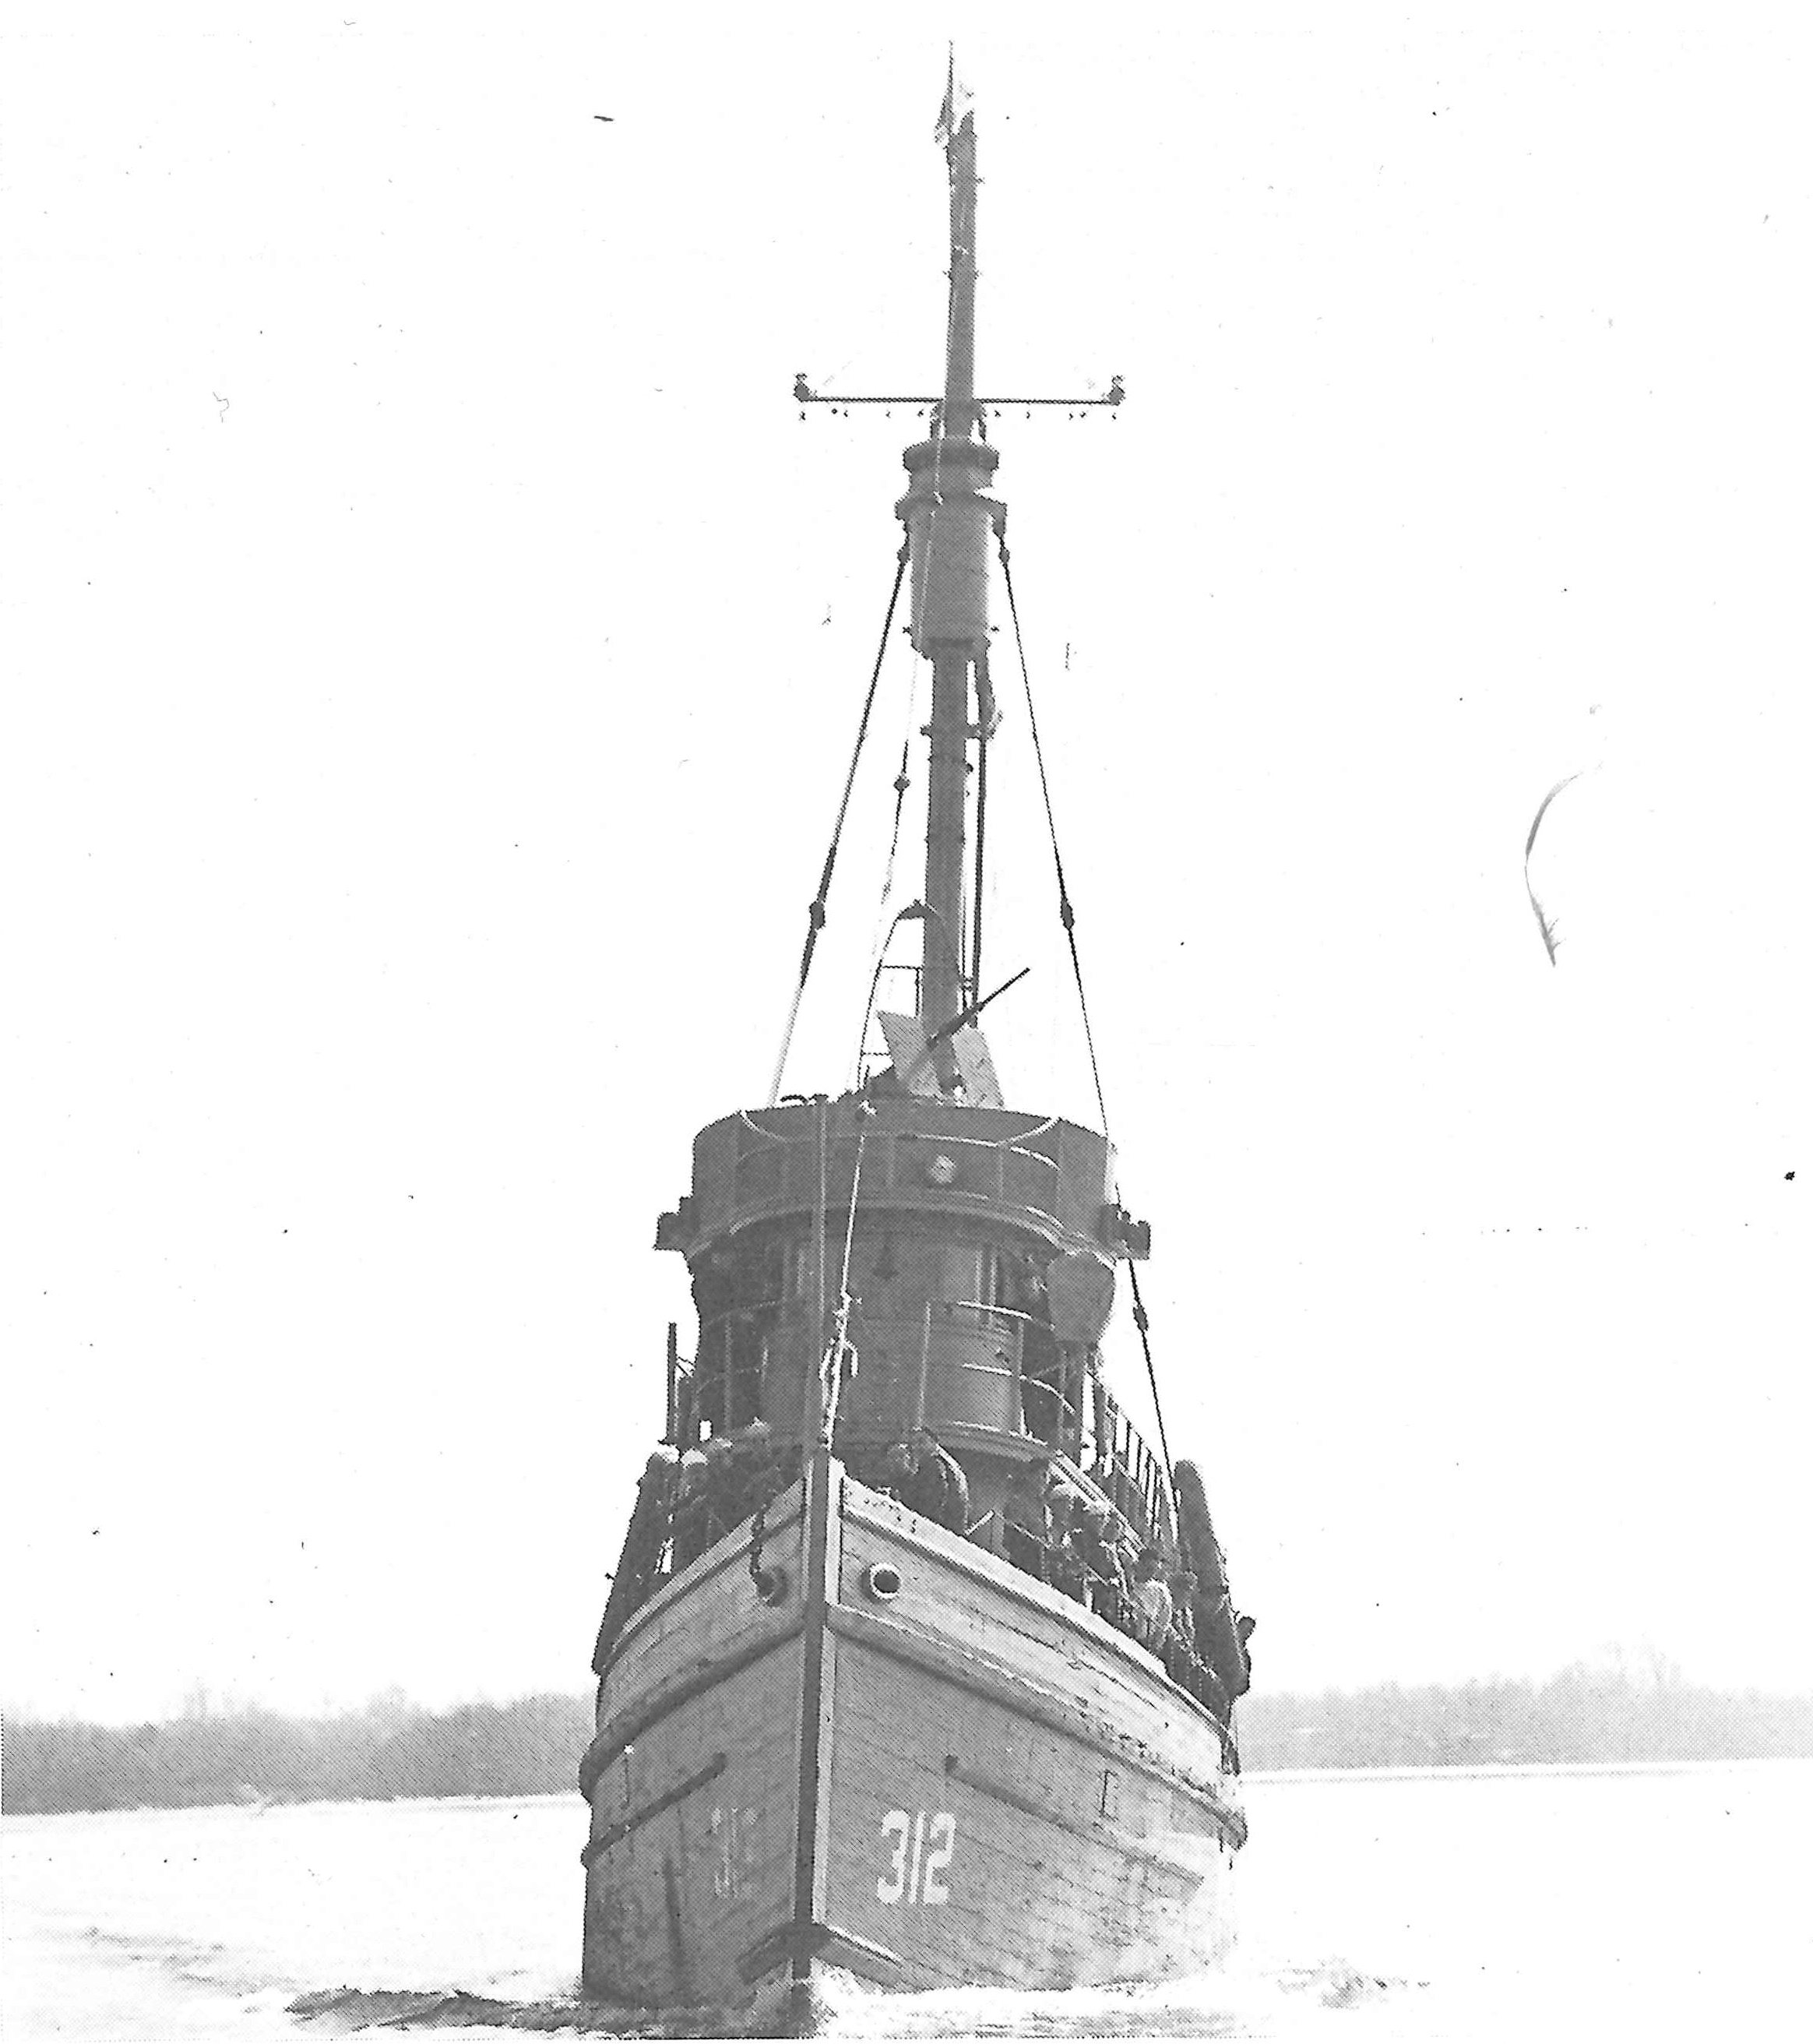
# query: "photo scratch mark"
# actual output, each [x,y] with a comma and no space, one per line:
[1550,942]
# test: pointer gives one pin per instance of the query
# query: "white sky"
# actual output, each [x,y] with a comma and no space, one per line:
[422,730]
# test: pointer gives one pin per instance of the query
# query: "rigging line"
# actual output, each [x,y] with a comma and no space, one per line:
[981,840]
[1143,1323]
[831,1370]
[884,937]
[875,983]
[816,913]
[1066,914]
[903,781]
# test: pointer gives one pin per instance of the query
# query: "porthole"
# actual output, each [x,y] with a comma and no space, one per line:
[883,1581]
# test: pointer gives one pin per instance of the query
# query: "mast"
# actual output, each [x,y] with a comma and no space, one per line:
[947,518]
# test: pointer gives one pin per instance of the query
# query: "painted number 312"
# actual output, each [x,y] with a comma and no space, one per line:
[923,1850]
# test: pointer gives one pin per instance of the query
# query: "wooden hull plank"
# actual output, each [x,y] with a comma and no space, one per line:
[717,1861]
[961,1783]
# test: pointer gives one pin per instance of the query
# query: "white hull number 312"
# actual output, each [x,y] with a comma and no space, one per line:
[923,1848]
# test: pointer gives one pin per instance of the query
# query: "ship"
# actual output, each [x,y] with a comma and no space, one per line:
[918,1667]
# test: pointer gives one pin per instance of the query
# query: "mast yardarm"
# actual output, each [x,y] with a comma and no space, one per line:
[947,516]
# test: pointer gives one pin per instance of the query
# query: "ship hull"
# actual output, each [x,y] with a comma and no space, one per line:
[913,1766]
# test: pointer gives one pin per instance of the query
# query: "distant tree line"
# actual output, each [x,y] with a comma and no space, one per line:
[391,1749]
[386,1751]
[1644,1713]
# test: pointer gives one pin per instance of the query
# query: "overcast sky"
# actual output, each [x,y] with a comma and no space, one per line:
[433,641]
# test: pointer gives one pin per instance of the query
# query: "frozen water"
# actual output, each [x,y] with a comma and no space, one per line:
[1500,1905]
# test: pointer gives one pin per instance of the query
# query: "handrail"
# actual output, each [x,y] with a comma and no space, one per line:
[1016,1313]
[1061,1568]
[1012,1145]
[1129,1473]
[1064,1426]
[1018,1140]
[882,1177]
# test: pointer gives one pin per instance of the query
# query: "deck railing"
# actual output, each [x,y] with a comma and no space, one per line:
[783,1173]
[1003,1372]
[1041,1391]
